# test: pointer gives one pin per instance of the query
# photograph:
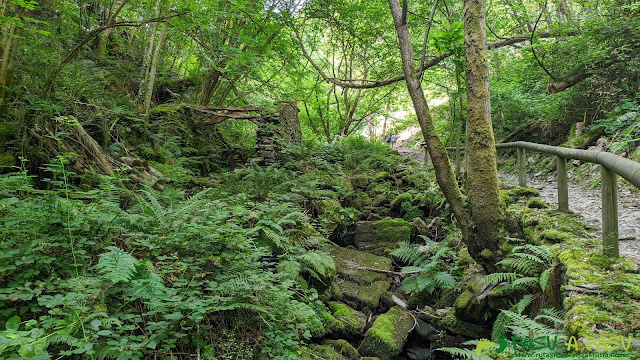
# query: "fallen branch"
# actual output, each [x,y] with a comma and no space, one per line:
[380,270]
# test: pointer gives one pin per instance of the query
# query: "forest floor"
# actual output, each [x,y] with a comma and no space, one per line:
[582,201]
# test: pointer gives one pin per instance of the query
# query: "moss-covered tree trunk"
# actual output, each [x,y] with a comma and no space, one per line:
[485,202]
[437,152]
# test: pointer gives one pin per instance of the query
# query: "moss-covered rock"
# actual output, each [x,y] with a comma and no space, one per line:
[363,296]
[472,304]
[352,322]
[536,203]
[523,192]
[382,236]
[445,319]
[386,338]
[361,201]
[344,348]
[381,176]
[324,352]
[349,261]
[554,236]
[398,200]
[360,181]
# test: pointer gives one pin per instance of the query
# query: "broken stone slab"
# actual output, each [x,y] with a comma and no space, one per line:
[445,319]
[350,322]
[379,237]
[344,348]
[363,296]
[388,334]
[351,265]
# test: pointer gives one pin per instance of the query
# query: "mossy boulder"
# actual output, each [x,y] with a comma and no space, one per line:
[402,198]
[381,176]
[554,236]
[348,262]
[382,236]
[360,181]
[536,203]
[361,201]
[444,319]
[351,322]
[324,352]
[344,348]
[388,334]
[523,192]
[472,304]
[363,296]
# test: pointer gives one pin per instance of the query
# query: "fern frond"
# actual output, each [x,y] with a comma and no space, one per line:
[541,251]
[544,279]
[150,288]
[62,339]
[107,352]
[521,266]
[117,265]
[524,283]
[461,353]
[319,264]
[497,278]
[444,280]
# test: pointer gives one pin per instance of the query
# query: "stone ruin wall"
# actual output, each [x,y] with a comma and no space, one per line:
[276,131]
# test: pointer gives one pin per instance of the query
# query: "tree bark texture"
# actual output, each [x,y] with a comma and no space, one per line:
[485,203]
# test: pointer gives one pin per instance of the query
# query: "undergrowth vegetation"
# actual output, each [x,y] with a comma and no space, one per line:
[224,271]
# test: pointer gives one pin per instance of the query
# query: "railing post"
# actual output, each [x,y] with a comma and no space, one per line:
[563,188]
[609,212]
[522,169]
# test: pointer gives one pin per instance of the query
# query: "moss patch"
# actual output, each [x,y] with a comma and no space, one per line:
[523,192]
[343,348]
[554,236]
[382,236]
[352,322]
[404,197]
[536,203]
[347,262]
[362,297]
[392,230]
[603,294]
[388,334]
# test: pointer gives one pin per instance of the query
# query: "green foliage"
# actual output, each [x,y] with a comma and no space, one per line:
[425,264]
[528,267]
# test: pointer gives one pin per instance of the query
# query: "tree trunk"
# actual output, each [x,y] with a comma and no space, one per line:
[154,64]
[7,52]
[384,123]
[437,152]
[104,37]
[146,59]
[485,203]
[460,118]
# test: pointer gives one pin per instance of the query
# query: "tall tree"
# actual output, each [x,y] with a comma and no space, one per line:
[485,203]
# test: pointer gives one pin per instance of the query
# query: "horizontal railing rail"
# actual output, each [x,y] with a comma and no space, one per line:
[611,166]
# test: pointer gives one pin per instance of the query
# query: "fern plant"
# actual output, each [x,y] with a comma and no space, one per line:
[528,267]
[425,264]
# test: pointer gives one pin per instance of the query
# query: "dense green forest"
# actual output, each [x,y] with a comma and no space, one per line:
[216,179]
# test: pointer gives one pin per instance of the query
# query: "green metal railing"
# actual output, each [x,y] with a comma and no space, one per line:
[610,167]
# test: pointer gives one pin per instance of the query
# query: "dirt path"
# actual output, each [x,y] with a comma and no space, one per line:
[584,202]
